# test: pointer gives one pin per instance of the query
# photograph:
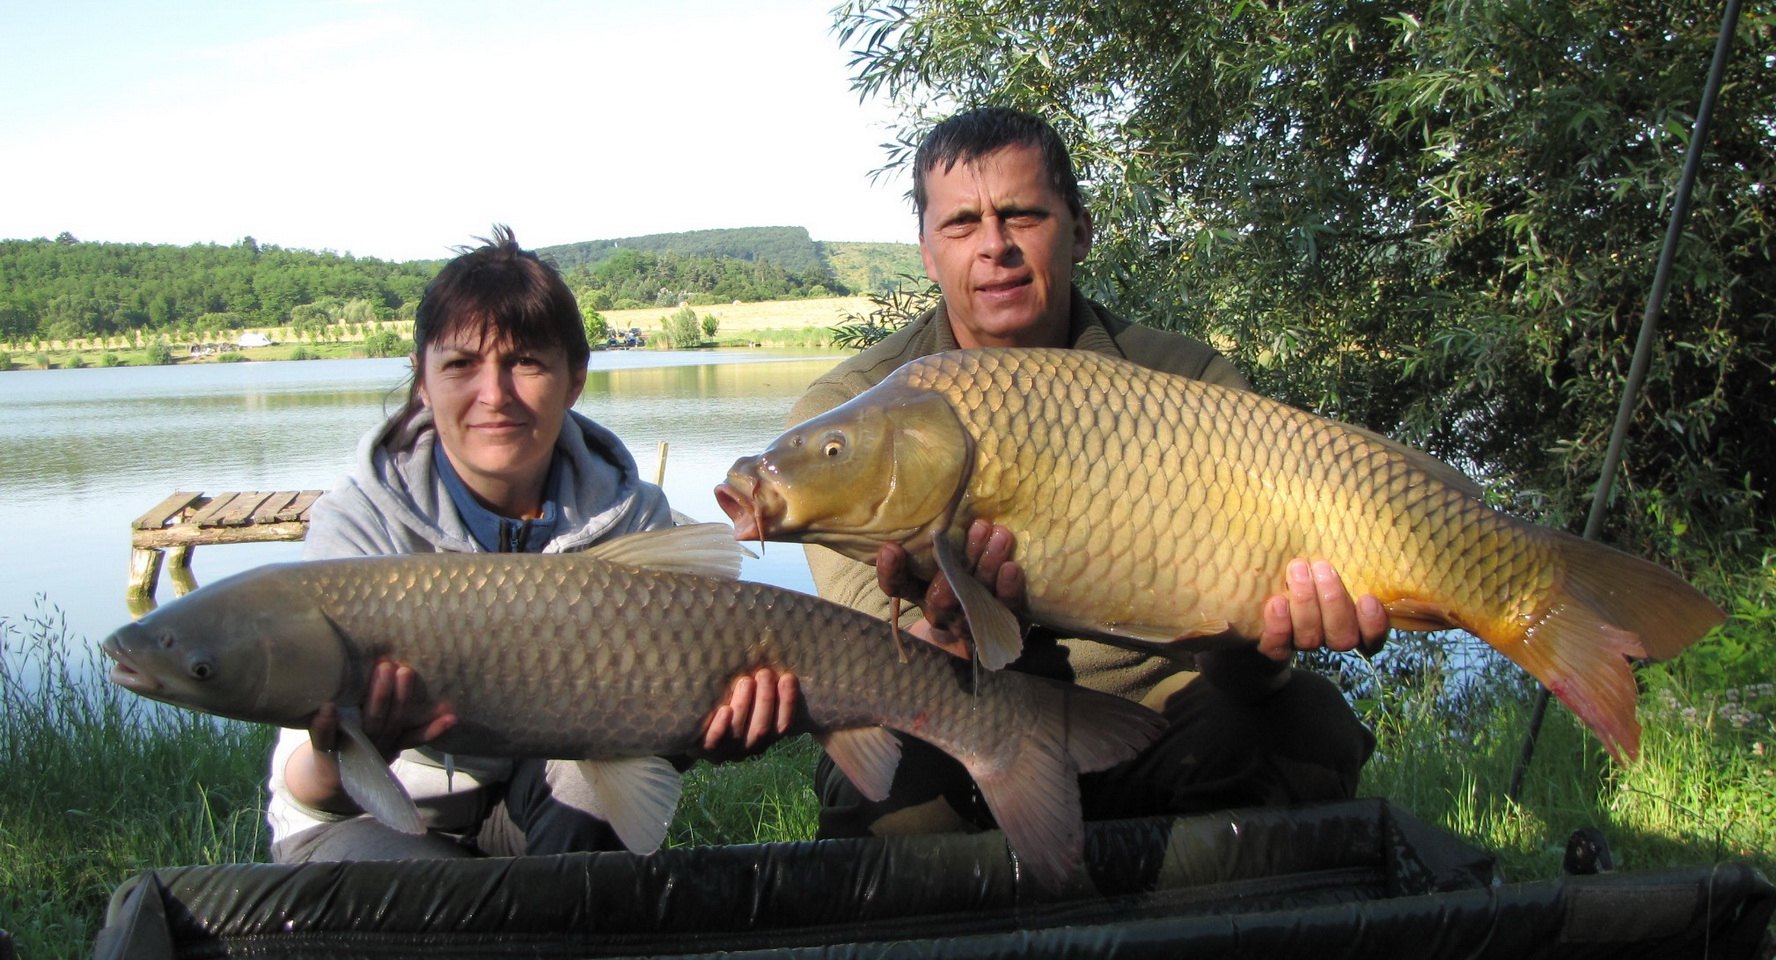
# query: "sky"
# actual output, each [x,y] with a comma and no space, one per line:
[402,129]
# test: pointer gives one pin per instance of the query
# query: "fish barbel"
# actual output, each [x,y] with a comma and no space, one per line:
[1159,512]
[614,657]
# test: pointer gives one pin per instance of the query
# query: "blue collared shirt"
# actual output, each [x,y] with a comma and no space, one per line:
[497,534]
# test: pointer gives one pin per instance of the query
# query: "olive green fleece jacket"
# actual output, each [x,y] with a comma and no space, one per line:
[1091,327]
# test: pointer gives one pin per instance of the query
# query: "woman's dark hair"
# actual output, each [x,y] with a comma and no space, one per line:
[502,291]
[978,132]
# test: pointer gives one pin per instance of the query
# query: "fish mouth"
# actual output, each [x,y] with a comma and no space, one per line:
[742,508]
[124,673]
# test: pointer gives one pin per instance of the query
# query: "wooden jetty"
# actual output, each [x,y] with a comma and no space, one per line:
[186,520]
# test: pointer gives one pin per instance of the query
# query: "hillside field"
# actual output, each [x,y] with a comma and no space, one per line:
[736,318]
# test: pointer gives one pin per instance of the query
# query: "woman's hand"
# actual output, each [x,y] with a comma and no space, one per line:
[761,707]
[395,715]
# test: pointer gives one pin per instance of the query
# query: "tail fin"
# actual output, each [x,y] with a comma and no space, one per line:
[1034,794]
[1607,607]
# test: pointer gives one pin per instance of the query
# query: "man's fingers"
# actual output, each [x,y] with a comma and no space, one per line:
[1372,622]
[1338,614]
[893,575]
[1304,606]
[980,532]
[1277,641]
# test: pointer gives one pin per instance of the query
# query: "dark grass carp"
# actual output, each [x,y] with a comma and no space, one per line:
[1160,512]
[614,657]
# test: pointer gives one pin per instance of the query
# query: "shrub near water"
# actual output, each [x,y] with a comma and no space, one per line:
[97,784]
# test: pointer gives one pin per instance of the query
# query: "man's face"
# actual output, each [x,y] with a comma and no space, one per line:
[498,411]
[1000,243]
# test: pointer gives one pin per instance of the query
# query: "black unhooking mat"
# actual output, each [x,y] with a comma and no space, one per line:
[1351,880]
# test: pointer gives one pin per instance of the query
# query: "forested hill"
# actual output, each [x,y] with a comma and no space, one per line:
[712,266]
[61,289]
[788,247]
[65,289]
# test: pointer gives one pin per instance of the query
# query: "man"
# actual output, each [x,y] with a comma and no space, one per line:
[1001,226]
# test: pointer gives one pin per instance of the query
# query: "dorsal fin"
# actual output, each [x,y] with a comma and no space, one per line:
[704,549]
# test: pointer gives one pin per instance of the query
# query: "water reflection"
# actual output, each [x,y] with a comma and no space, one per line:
[84,452]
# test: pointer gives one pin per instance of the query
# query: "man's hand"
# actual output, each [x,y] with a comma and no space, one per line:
[760,708]
[988,554]
[1315,610]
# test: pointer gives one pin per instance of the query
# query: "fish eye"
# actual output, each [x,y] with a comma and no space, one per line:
[200,668]
[833,447]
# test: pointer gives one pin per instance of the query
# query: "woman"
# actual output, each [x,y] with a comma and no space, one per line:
[486,455]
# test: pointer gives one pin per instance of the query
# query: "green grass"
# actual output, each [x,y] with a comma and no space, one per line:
[97,785]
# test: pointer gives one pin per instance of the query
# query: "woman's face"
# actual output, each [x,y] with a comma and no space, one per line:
[498,412]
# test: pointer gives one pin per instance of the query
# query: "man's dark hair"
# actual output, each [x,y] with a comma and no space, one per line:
[505,292]
[978,132]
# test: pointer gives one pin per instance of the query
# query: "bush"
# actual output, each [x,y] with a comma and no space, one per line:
[681,329]
[109,359]
[387,343]
[159,352]
[232,358]
[5,360]
[302,353]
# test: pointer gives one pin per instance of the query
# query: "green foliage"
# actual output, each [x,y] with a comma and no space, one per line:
[43,361]
[629,277]
[876,267]
[597,328]
[231,358]
[681,329]
[894,307]
[160,353]
[109,359]
[5,360]
[68,289]
[387,343]
[98,784]
[790,248]
[711,323]
[302,353]
[1440,221]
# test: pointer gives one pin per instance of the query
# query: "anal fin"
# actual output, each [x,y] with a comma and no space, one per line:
[867,755]
[637,796]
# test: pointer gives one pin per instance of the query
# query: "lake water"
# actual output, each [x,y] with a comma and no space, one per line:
[84,452]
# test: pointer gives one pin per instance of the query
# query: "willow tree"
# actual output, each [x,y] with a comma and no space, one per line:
[1440,219]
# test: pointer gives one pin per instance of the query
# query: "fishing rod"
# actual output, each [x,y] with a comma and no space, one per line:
[1643,347]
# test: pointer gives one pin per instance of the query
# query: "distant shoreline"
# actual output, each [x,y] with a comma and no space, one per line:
[772,323]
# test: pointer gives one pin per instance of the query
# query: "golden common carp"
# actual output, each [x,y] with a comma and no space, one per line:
[613,657]
[1159,512]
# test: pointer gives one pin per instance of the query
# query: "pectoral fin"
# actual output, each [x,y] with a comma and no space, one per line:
[867,755]
[636,796]
[369,781]
[998,638]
